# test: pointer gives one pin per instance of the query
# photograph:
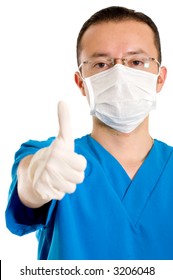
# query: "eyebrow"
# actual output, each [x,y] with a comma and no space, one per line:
[106,54]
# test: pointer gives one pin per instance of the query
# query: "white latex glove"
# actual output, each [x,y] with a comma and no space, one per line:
[56,170]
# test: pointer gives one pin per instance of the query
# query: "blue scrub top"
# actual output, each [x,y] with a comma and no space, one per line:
[109,216]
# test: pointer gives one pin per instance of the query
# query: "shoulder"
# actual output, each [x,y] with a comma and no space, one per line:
[163,150]
[37,143]
[82,140]
[85,145]
[162,145]
[31,147]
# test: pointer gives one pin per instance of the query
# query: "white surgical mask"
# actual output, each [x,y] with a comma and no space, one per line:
[121,97]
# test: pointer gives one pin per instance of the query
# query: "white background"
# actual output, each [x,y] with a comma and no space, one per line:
[37,65]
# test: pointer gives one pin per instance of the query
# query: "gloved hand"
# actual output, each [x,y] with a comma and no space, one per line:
[56,170]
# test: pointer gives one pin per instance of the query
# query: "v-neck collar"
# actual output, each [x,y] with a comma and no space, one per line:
[145,181]
[133,193]
[115,172]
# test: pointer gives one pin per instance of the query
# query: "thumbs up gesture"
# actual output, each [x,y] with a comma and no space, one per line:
[57,169]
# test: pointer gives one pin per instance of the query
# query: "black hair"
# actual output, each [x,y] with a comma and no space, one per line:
[117,13]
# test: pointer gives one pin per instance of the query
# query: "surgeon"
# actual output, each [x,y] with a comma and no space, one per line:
[109,194]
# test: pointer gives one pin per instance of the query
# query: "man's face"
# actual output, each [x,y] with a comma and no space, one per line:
[118,40]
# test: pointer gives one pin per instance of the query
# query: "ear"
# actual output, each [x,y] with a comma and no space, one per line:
[79,82]
[161,78]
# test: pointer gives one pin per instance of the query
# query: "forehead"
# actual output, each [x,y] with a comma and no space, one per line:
[118,38]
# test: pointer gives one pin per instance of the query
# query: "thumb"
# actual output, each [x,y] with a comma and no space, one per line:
[65,132]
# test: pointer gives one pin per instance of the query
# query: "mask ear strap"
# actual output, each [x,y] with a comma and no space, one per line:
[159,71]
[90,92]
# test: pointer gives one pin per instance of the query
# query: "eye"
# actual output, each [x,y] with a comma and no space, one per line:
[101,65]
[136,63]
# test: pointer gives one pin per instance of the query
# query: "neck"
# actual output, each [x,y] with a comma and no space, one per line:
[129,149]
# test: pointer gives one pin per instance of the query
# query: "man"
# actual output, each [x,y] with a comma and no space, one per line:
[109,194]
